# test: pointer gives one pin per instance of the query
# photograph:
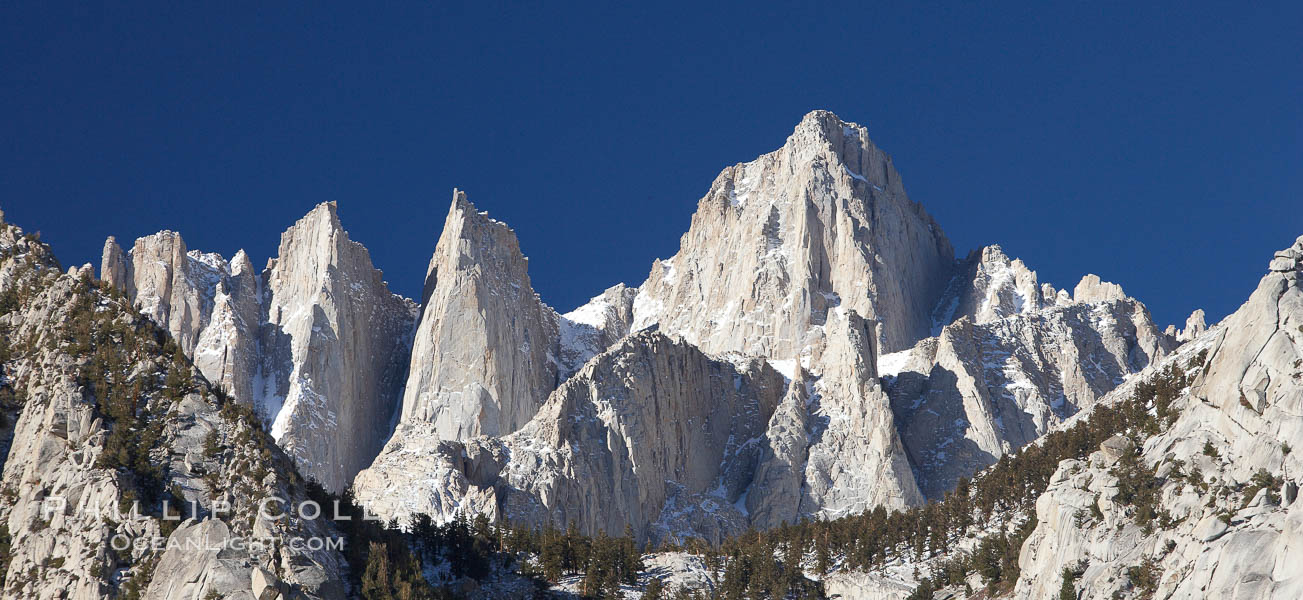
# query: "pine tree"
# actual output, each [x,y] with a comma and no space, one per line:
[552,554]
[822,557]
[632,558]
[375,581]
[654,590]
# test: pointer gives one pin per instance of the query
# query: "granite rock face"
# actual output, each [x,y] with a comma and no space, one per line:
[655,435]
[981,390]
[63,503]
[822,222]
[484,357]
[335,345]
[173,287]
[1246,402]
[651,432]
[811,258]
[316,342]
[228,352]
[648,424]
[833,449]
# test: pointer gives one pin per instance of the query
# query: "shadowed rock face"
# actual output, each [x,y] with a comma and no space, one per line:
[979,391]
[335,347]
[316,343]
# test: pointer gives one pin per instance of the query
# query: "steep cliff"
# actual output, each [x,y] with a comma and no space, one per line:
[1224,475]
[104,417]
[335,346]
[484,357]
[822,222]
[651,434]
[1013,366]
[316,343]
[833,448]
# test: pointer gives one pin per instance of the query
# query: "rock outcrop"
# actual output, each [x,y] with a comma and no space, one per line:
[484,357]
[832,449]
[989,286]
[75,359]
[822,222]
[651,434]
[1227,536]
[316,342]
[979,391]
[1194,327]
[1092,290]
[335,345]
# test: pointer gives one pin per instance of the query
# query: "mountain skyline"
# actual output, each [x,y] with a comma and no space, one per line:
[1119,141]
[814,354]
[505,301]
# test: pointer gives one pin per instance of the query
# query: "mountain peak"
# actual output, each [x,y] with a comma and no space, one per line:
[464,211]
[240,263]
[828,122]
[824,126]
[1092,289]
[1289,259]
[477,290]
[821,222]
[460,201]
[326,212]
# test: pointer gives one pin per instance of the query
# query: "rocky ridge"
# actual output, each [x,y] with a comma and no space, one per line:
[802,232]
[75,353]
[316,342]
[1205,507]
[1229,480]
[814,339]
[1018,359]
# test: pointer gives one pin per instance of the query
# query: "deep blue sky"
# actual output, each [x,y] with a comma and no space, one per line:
[1158,146]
